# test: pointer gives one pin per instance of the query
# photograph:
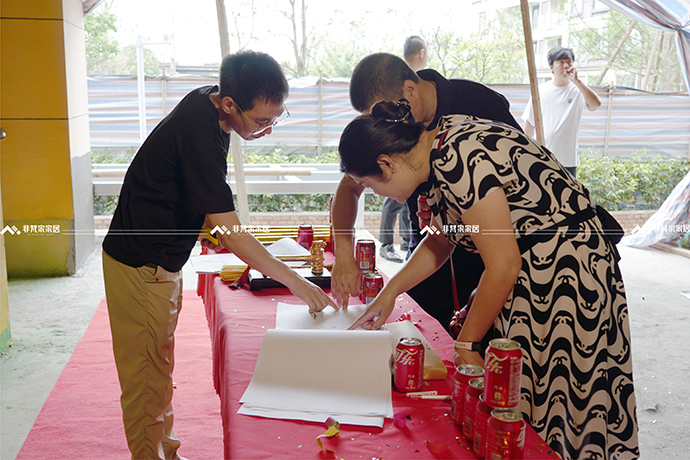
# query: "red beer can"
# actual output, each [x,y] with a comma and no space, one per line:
[305,235]
[481,419]
[502,371]
[463,374]
[373,283]
[474,389]
[408,364]
[505,435]
[361,284]
[366,255]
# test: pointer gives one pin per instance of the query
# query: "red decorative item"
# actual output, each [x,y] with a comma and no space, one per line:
[502,373]
[405,317]
[408,365]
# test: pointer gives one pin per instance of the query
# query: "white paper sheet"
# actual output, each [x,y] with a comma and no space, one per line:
[213,263]
[315,374]
[289,316]
[343,419]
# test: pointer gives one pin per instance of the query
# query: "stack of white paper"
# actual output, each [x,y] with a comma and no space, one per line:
[213,263]
[291,316]
[315,374]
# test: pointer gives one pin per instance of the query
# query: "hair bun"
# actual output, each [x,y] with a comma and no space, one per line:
[393,112]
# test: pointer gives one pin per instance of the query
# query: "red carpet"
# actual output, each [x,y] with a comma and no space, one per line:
[82,417]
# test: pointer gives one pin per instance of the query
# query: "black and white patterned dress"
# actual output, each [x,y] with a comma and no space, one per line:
[567,309]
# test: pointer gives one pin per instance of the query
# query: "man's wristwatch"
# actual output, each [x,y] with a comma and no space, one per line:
[472,346]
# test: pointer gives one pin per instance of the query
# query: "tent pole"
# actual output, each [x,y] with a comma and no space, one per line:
[533,83]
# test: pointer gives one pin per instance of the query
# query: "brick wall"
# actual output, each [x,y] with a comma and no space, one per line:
[631,219]
[628,220]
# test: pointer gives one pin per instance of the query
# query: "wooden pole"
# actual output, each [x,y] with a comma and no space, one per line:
[615,52]
[319,134]
[650,60]
[223,28]
[235,145]
[608,120]
[531,65]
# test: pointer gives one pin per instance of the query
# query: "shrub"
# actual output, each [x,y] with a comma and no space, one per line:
[638,182]
[634,183]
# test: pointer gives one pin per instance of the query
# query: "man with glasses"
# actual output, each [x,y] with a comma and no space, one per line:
[175,184]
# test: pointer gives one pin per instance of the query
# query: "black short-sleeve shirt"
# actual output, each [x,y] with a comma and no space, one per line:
[176,178]
[460,97]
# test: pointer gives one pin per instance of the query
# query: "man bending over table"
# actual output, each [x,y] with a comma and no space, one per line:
[176,182]
[383,76]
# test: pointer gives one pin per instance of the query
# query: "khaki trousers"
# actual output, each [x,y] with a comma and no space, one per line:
[143,305]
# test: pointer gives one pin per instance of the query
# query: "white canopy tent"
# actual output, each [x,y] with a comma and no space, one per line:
[671,15]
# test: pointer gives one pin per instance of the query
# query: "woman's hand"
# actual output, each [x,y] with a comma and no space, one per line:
[467,357]
[208,244]
[376,315]
[423,212]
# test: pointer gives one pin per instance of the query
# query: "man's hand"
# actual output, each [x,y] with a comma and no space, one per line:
[345,280]
[571,73]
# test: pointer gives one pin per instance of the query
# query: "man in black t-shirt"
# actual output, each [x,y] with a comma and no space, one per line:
[384,76]
[175,184]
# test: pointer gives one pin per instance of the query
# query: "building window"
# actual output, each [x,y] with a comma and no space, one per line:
[482,22]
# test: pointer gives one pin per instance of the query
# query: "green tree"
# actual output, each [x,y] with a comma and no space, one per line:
[128,61]
[494,55]
[102,51]
[335,58]
[646,48]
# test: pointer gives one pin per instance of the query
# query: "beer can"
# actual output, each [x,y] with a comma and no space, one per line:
[481,419]
[505,435]
[366,255]
[502,371]
[472,392]
[463,374]
[373,283]
[362,297]
[305,235]
[408,364]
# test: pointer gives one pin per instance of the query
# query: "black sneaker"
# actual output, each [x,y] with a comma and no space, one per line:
[404,245]
[388,252]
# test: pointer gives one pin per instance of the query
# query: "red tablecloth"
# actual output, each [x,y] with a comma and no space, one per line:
[238,320]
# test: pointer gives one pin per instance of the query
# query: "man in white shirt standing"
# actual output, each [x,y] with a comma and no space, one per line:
[563,98]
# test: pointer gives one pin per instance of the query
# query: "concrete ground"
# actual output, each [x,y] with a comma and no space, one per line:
[49,316]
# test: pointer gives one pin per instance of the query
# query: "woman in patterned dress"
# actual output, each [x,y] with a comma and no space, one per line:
[551,283]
